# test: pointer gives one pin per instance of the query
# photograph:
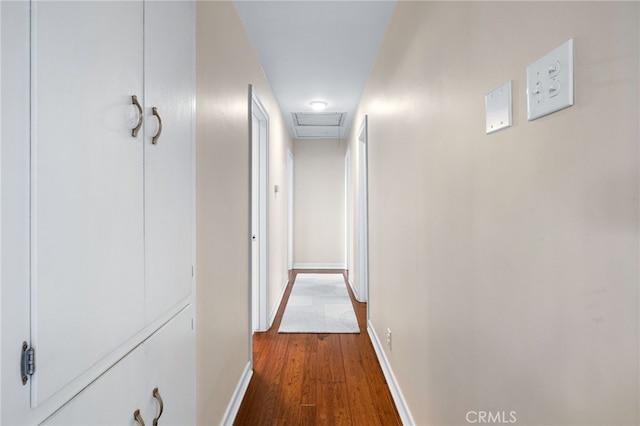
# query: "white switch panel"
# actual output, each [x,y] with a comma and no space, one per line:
[497,104]
[550,82]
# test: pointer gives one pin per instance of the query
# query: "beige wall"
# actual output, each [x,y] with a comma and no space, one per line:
[319,211]
[507,265]
[226,65]
[279,144]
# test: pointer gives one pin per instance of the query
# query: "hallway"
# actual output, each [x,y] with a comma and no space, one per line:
[404,144]
[308,379]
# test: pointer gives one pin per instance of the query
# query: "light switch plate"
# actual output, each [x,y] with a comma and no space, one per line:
[497,104]
[550,82]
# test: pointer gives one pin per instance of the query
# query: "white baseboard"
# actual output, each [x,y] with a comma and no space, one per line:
[276,306]
[394,387]
[319,266]
[353,288]
[236,399]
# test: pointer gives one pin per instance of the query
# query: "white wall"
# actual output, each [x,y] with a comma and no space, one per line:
[319,210]
[506,266]
[226,65]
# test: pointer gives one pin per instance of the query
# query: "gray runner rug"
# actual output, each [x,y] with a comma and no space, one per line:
[319,303]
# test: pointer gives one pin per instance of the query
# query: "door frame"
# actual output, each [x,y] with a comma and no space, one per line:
[347,216]
[363,212]
[259,213]
[290,179]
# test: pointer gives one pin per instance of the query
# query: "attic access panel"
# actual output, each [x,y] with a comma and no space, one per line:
[320,132]
[318,119]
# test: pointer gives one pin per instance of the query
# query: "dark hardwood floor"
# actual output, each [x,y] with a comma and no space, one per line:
[316,379]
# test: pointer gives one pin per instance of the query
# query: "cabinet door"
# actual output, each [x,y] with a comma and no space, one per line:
[169,86]
[111,399]
[170,361]
[87,240]
[165,361]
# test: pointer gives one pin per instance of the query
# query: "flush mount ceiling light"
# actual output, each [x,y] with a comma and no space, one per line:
[318,105]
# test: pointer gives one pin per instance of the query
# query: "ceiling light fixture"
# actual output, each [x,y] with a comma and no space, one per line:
[318,105]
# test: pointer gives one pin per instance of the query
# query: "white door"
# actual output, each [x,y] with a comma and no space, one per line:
[363,214]
[259,213]
[255,223]
[87,259]
[169,89]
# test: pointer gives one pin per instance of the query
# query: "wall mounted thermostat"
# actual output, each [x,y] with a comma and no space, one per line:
[550,82]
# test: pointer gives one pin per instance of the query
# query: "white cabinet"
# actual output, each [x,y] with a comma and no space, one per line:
[110,400]
[169,190]
[170,361]
[129,385]
[105,257]
[87,205]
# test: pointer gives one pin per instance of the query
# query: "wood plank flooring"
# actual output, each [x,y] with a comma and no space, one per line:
[316,379]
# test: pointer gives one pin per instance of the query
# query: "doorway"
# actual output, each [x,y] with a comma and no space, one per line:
[363,214]
[259,131]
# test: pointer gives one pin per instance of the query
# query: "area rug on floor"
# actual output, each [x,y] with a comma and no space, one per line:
[319,303]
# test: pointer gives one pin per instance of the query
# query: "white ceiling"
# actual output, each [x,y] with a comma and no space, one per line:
[316,50]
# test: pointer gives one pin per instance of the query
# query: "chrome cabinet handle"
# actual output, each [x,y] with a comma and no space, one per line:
[156,395]
[154,111]
[135,130]
[138,417]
